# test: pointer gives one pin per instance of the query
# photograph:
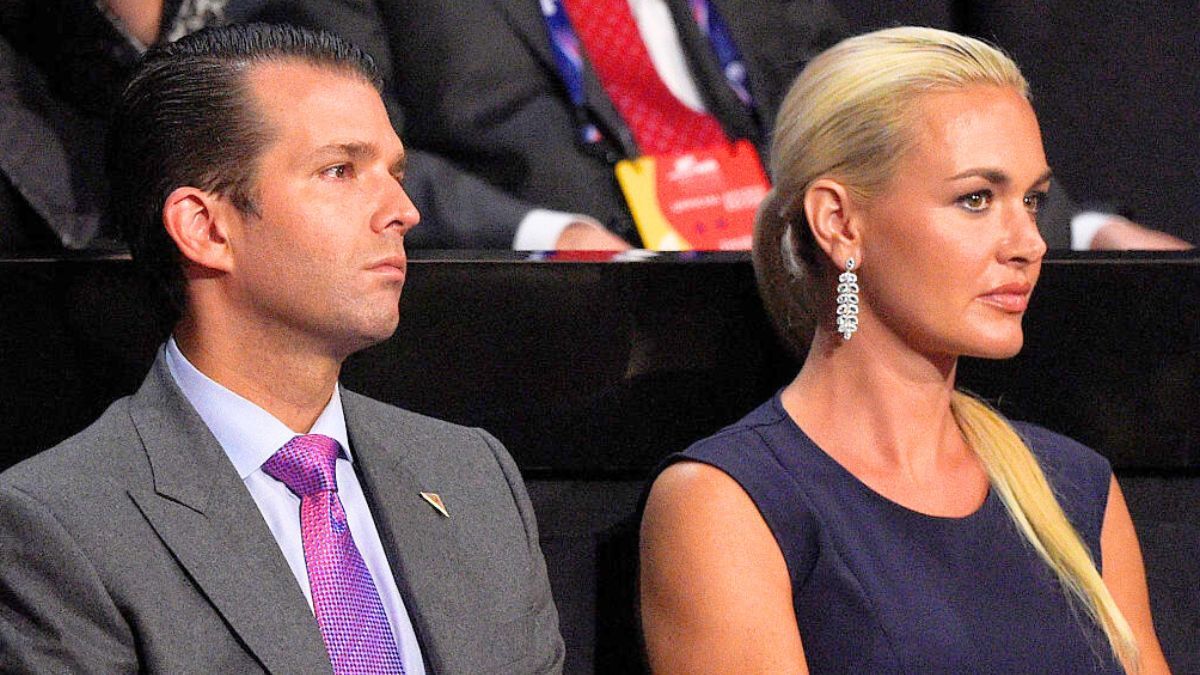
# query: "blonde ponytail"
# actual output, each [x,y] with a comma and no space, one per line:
[1021,485]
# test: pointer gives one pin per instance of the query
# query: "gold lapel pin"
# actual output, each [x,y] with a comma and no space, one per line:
[435,500]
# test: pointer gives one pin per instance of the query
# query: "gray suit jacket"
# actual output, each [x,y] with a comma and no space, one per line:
[134,545]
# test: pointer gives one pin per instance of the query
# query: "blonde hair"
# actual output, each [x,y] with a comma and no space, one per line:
[850,116]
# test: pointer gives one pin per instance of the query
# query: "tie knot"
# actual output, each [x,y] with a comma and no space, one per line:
[305,464]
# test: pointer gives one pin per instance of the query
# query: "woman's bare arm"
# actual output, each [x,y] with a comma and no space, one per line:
[715,592]
[1125,577]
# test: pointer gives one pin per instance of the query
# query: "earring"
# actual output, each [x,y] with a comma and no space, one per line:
[847,301]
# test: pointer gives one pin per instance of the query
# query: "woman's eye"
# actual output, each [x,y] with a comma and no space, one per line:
[1034,201]
[976,201]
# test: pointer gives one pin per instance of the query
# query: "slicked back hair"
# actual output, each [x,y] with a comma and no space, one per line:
[188,118]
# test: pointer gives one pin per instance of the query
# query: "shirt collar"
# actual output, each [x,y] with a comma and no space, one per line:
[248,434]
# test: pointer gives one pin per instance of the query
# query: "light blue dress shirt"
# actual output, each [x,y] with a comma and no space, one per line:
[250,435]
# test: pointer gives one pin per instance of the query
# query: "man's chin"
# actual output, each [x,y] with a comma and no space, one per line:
[382,331]
[369,334]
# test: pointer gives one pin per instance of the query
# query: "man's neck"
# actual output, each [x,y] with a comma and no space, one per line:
[293,385]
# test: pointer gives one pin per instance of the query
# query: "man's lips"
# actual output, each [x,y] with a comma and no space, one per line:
[1012,297]
[394,267]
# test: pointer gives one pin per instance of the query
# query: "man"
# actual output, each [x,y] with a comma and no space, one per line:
[241,512]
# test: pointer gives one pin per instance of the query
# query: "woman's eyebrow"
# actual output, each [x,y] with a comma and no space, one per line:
[995,176]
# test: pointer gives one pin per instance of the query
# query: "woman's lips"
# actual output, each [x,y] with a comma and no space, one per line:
[1009,297]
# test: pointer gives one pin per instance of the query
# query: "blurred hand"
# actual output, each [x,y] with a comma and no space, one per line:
[582,236]
[1119,234]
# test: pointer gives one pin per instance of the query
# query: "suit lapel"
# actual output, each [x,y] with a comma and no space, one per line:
[203,512]
[719,98]
[525,19]
[420,543]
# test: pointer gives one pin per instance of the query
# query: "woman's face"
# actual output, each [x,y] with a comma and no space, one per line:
[951,249]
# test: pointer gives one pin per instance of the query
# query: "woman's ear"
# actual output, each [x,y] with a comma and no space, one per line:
[834,221]
[196,221]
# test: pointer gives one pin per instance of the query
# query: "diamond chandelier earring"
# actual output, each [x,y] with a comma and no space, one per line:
[847,301]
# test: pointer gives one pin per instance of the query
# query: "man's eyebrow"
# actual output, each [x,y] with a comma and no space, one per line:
[353,150]
[356,151]
[995,176]
[397,168]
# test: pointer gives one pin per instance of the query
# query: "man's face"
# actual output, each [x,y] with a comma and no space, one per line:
[323,261]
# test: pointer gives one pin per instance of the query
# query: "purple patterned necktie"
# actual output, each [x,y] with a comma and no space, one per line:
[349,612]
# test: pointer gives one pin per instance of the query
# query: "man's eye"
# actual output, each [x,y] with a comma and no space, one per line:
[976,201]
[1034,200]
[338,171]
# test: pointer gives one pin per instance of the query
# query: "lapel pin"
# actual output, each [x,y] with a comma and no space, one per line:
[435,500]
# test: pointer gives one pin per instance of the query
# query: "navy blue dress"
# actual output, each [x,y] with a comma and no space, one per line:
[879,588]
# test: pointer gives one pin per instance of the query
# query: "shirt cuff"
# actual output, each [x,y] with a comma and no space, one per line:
[1085,225]
[540,228]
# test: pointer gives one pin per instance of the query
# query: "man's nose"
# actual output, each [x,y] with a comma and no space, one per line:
[397,209]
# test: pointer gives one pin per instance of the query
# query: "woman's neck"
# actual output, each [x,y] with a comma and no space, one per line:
[883,413]
[874,392]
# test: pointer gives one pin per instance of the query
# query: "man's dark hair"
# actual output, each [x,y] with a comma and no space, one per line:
[188,118]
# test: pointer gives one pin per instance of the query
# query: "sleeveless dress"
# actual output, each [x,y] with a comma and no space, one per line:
[879,588]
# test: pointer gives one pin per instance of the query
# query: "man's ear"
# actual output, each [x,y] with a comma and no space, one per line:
[834,219]
[198,223]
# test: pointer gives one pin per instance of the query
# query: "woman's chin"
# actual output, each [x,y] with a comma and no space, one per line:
[996,349]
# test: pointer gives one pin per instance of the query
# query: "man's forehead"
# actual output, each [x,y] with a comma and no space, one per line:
[296,76]
[315,104]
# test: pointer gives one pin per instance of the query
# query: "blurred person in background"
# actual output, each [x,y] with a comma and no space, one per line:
[63,64]
[543,97]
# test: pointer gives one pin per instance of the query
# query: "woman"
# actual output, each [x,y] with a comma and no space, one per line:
[870,518]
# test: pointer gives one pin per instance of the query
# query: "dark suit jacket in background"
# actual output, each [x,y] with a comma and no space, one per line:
[135,546]
[478,85]
[52,187]
[458,209]
[62,65]
[1116,87]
